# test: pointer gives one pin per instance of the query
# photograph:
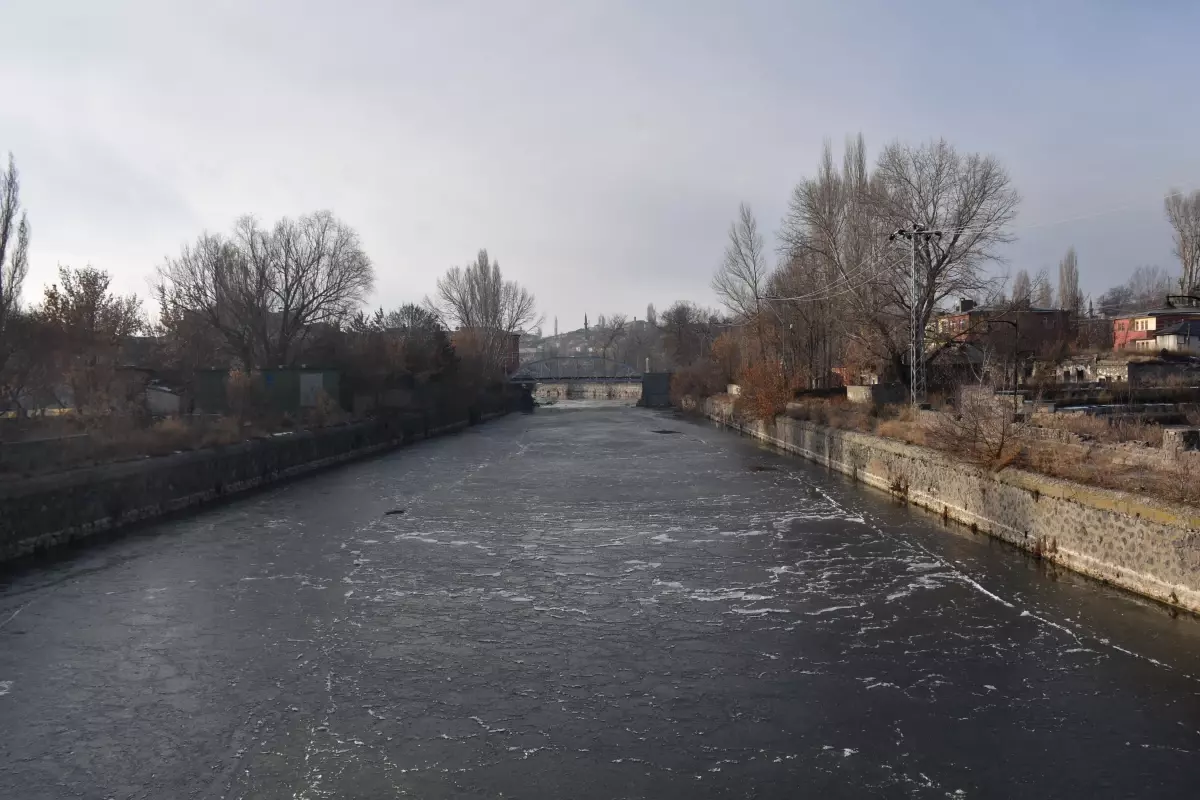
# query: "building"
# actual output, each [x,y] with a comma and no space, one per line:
[1037,330]
[1137,331]
[1182,337]
[283,390]
[1135,371]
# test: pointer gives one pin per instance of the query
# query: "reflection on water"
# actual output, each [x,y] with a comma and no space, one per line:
[580,405]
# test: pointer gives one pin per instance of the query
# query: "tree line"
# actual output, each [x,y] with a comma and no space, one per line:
[834,296]
[261,296]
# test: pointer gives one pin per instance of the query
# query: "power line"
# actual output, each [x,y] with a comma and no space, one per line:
[861,267]
[1090,215]
[843,285]
[843,279]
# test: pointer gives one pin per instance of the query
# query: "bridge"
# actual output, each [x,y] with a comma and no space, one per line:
[580,377]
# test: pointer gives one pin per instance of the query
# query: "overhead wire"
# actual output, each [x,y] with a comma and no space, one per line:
[1077,218]
[843,282]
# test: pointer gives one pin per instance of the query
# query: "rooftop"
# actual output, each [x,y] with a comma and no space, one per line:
[1185,311]
[1190,327]
[1007,310]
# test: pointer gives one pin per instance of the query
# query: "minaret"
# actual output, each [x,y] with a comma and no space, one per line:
[585,327]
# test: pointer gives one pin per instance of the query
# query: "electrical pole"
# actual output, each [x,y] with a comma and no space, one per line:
[916,336]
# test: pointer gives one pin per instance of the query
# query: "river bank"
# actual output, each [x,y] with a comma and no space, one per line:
[50,510]
[1139,544]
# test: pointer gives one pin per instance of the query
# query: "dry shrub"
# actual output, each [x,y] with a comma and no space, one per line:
[980,431]
[170,435]
[905,431]
[696,381]
[845,415]
[727,356]
[765,391]
[327,411]
[834,412]
[225,430]
[245,394]
[1104,429]
[1102,468]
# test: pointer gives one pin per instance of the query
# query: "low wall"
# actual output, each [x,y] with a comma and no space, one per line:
[1130,541]
[589,390]
[656,389]
[49,510]
[878,393]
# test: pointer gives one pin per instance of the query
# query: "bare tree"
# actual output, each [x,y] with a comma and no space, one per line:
[1022,290]
[835,270]
[843,219]
[1183,212]
[610,330]
[688,333]
[1147,287]
[487,309]
[265,291]
[741,280]
[806,329]
[89,324]
[1041,292]
[14,245]
[1069,296]
[412,320]
[28,365]
[15,353]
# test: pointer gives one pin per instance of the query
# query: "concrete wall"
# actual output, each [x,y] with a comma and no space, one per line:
[1140,544]
[656,389]
[878,393]
[41,512]
[589,390]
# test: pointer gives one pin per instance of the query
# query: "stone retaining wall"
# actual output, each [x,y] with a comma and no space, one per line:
[1137,543]
[49,510]
[588,390]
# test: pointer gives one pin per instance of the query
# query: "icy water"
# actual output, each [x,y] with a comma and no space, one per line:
[592,601]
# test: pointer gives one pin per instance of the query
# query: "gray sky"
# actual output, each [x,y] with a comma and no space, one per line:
[597,149]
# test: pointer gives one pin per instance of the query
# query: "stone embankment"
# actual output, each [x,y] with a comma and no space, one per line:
[44,511]
[1137,543]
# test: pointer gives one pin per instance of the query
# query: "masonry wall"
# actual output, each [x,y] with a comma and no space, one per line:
[41,512]
[1140,544]
[589,390]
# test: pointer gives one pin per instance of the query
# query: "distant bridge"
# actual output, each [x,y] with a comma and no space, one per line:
[566,369]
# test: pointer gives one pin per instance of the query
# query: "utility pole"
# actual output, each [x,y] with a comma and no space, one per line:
[916,339]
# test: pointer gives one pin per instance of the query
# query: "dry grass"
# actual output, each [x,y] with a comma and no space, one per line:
[986,435]
[1100,468]
[905,431]
[1103,429]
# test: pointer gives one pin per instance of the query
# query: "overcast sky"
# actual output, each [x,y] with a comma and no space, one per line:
[597,149]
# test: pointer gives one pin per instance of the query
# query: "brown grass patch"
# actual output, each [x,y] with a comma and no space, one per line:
[1103,429]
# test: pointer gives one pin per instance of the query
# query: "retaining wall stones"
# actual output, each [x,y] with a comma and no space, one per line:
[49,510]
[588,390]
[1137,543]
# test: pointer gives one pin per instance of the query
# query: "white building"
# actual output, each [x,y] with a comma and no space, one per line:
[1182,337]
